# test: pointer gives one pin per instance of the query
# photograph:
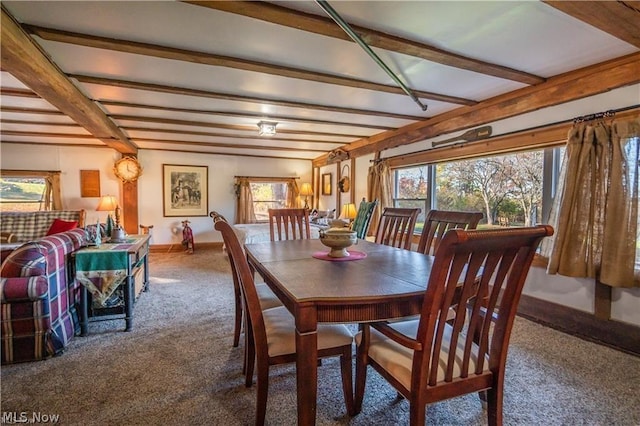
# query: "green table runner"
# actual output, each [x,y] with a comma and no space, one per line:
[102,269]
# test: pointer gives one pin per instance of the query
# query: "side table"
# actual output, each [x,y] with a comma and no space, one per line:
[109,268]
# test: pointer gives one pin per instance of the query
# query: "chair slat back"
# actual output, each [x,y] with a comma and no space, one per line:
[491,266]
[242,272]
[289,224]
[396,226]
[438,222]
[363,218]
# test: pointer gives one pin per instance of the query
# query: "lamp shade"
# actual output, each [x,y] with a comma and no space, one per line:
[306,189]
[348,211]
[108,203]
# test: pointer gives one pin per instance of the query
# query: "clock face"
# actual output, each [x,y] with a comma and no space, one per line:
[128,169]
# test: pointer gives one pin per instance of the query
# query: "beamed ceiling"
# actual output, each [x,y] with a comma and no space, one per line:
[198,76]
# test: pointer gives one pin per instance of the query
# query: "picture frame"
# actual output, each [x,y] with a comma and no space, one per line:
[326,184]
[185,190]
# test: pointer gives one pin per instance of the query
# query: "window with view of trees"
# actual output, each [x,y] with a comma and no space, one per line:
[268,195]
[508,189]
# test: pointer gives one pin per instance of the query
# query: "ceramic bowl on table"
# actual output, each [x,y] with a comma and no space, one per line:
[338,239]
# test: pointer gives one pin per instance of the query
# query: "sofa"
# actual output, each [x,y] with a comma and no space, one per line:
[22,227]
[39,295]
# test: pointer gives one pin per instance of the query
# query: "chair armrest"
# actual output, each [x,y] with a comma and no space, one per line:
[399,338]
[24,289]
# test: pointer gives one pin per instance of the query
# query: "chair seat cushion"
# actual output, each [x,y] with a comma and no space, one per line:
[280,328]
[268,299]
[397,359]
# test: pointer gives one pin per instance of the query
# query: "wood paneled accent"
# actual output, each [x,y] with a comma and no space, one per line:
[616,334]
[130,207]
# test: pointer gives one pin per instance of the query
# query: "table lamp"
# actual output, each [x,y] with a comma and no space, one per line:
[306,190]
[348,213]
[108,204]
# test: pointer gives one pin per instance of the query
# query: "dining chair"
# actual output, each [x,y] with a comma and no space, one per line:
[363,218]
[428,359]
[273,333]
[438,222]
[289,224]
[267,298]
[396,226]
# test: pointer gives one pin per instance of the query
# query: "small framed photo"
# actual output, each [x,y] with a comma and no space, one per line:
[184,190]
[326,184]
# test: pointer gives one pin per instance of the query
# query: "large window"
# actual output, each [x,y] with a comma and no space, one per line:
[268,195]
[508,189]
[22,193]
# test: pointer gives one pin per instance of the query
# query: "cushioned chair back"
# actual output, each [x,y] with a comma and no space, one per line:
[396,226]
[289,224]
[363,217]
[438,222]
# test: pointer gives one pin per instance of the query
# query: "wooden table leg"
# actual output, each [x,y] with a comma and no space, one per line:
[306,366]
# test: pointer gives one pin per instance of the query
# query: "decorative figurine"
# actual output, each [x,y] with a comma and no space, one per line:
[187,237]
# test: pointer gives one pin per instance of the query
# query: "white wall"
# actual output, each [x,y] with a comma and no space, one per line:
[221,172]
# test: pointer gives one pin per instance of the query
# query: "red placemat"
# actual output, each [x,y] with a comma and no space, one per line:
[353,255]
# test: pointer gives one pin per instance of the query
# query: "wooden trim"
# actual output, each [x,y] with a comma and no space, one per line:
[223,135]
[225,145]
[602,301]
[25,60]
[208,124]
[130,207]
[160,88]
[585,82]
[613,17]
[325,26]
[163,52]
[615,334]
[243,114]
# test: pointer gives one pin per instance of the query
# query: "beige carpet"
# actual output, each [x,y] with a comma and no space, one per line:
[177,367]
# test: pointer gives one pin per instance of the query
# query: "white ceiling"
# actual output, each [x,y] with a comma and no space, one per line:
[527,36]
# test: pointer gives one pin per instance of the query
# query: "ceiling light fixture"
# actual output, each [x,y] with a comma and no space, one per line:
[267,128]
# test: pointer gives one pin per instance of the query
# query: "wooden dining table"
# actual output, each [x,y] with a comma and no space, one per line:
[387,283]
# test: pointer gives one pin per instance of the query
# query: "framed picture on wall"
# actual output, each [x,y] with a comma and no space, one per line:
[184,190]
[326,184]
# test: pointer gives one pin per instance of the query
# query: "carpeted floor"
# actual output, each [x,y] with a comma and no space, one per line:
[177,367]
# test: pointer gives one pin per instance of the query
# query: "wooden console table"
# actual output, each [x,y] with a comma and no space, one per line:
[105,272]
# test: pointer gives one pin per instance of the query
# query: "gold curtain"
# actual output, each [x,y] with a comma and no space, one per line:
[596,209]
[245,212]
[293,194]
[379,188]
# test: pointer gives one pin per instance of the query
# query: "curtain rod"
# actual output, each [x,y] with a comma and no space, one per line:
[580,119]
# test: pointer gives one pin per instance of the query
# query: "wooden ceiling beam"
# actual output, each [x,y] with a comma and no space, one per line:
[23,59]
[163,52]
[320,25]
[585,82]
[224,135]
[223,126]
[621,19]
[227,145]
[270,117]
[231,97]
